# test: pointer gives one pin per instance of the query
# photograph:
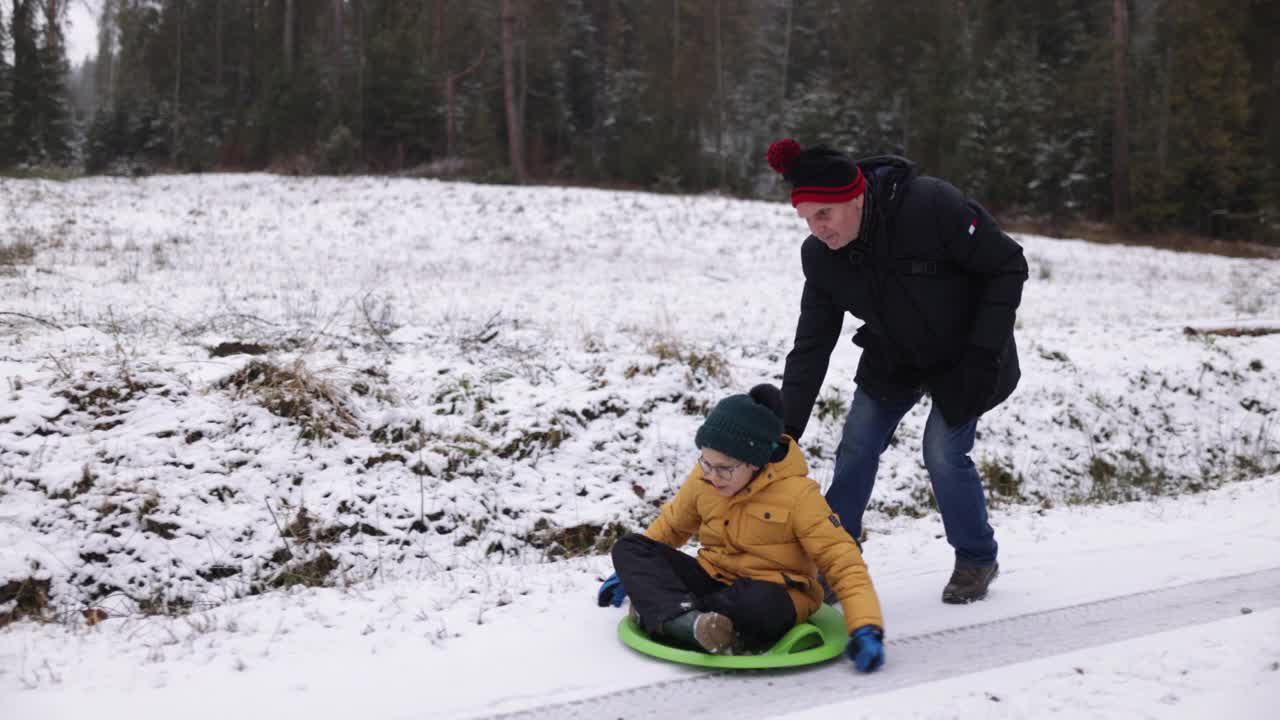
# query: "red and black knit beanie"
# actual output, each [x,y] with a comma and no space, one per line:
[817,174]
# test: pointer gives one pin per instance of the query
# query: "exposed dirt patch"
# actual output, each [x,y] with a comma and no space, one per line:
[236,347]
[1177,241]
[297,394]
[1233,331]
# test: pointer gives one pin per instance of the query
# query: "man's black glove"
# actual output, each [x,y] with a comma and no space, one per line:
[962,393]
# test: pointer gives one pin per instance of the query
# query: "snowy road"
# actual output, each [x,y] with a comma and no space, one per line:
[935,656]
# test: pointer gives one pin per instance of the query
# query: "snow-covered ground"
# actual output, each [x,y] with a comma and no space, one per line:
[500,639]
[460,384]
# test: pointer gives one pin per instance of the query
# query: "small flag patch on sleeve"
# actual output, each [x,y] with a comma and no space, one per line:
[973,226]
[834,520]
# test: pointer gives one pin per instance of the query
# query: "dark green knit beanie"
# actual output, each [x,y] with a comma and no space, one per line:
[741,428]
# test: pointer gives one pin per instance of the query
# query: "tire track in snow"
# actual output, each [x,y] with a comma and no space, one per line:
[931,656]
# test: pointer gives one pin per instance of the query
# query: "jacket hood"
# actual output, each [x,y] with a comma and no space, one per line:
[792,464]
[887,174]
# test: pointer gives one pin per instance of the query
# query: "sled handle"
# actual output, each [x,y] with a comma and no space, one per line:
[804,636]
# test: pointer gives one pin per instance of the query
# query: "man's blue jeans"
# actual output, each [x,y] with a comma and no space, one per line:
[956,483]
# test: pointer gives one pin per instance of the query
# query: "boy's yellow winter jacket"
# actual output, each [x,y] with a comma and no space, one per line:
[778,529]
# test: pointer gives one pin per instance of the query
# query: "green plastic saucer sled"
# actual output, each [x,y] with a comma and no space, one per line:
[821,638]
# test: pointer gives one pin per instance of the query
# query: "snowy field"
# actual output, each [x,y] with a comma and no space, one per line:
[322,446]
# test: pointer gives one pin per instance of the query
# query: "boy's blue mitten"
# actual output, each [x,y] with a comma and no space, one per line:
[866,648]
[611,592]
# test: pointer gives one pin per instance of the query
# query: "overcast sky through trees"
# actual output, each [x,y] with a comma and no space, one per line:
[82,29]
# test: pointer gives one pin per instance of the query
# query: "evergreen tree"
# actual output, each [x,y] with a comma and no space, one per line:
[1205,169]
[41,115]
[6,96]
[1006,105]
[1263,54]
[1069,157]
[545,102]
[53,104]
[401,100]
[1009,100]
[25,84]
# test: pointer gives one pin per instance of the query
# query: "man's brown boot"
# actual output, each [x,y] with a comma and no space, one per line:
[969,583]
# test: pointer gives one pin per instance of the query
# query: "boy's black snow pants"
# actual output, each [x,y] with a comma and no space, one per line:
[663,582]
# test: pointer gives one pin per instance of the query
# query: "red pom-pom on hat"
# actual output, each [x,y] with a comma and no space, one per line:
[782,153]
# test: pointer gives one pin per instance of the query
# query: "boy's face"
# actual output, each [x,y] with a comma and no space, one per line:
[726,474]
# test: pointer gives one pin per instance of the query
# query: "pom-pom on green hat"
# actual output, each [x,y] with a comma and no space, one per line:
[741,428]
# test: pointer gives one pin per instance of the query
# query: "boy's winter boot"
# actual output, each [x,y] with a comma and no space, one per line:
[969,583]
[710,631]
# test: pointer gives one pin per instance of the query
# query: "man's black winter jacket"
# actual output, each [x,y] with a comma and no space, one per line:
[935,282]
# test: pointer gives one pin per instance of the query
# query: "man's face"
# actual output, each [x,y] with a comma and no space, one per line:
[835,224]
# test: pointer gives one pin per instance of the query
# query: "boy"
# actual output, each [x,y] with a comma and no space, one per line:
[765,531]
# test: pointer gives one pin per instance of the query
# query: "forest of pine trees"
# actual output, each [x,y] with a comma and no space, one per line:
[1155,114]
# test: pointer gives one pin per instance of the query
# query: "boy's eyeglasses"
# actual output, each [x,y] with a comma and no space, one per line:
[723,471]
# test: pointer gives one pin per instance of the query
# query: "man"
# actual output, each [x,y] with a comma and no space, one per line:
[936,284]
